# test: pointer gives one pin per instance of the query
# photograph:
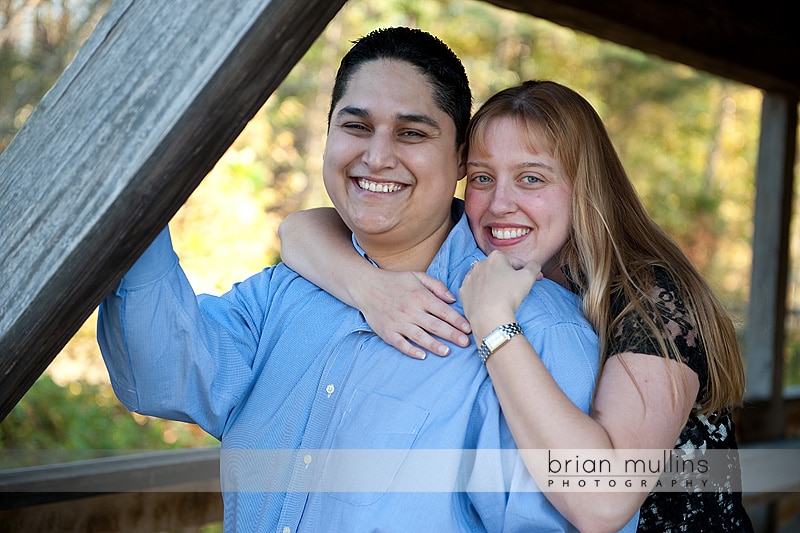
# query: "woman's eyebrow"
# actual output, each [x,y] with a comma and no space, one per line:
[521,166]
[533,164]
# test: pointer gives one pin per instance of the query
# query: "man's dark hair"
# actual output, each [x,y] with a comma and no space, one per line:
[431,56]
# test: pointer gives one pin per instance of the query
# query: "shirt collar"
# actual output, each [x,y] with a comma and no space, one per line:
[457,253]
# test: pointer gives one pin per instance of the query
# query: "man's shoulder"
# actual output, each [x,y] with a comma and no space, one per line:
[280,285]
[457,253]
[287,297]
[551,302]
[283,276]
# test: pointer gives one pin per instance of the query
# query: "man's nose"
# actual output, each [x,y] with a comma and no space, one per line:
[380,152]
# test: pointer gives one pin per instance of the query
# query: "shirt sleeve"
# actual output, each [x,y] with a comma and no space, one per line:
[569,349]
[170,353]
[571,353]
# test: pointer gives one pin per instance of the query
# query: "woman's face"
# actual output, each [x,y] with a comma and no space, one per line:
[518,198]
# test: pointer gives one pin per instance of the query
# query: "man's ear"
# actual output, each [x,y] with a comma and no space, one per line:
[462,161]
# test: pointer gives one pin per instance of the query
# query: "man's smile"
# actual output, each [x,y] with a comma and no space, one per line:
[374,186]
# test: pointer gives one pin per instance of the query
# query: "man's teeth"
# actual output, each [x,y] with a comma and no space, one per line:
[509,233]
[372,186]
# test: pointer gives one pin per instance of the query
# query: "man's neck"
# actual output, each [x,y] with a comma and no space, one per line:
[414,256]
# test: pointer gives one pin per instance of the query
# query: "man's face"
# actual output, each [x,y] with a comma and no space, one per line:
[391,162]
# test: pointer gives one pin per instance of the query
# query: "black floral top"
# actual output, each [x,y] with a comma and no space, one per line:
[716,508]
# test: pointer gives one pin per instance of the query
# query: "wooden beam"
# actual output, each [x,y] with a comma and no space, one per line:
[147,471]
[149,104]
[177,508]
[750,42]
[764,336]
[753,420]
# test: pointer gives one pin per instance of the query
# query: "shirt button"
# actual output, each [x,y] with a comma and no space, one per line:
[329,389]
[307,459]
[286,530]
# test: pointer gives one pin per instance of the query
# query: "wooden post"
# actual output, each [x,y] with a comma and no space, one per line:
[149,104]
[764,337]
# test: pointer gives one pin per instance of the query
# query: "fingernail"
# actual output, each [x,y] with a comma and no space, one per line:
[444,350]
[463,340]
[450,295]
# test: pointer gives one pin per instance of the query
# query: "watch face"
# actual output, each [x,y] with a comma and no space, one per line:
[495,339]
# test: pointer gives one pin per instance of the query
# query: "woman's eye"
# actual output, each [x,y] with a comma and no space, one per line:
[531,179]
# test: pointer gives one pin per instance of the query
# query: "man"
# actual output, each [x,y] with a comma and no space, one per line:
[323,425]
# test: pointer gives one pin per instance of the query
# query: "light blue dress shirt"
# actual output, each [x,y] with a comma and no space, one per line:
[324,427]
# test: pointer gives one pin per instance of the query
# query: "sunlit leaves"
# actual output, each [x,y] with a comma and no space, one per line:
[687,139]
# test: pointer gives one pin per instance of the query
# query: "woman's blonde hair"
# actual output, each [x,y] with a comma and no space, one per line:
[614,244]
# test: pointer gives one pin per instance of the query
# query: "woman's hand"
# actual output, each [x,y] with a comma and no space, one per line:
[494,289]
[412,307]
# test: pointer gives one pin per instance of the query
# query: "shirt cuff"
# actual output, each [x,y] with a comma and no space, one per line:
[158,260]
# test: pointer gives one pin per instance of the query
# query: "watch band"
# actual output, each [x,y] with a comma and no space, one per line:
[497,338]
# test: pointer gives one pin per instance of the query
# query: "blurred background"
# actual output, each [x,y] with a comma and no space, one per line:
[688,140]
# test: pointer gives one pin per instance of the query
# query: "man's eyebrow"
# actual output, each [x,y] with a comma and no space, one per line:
[423,119]
[401,117]
[352,110]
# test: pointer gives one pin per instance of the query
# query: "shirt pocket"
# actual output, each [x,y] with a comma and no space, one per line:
[369,446]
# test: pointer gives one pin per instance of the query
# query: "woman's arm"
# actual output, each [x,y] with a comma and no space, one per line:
[402,307]
[637,405]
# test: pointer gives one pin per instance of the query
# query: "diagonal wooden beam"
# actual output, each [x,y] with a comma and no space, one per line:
[150,103]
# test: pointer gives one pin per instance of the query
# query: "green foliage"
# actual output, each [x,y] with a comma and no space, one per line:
[791,370]
[37,41]
[84,417]
[687,139]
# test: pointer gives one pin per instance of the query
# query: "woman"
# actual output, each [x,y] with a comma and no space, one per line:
[546,189]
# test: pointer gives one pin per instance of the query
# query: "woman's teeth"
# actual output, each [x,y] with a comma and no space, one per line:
[509,233]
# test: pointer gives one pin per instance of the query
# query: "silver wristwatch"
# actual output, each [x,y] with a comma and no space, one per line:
[494,340]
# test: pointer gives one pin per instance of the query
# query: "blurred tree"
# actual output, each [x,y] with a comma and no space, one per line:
[38,39]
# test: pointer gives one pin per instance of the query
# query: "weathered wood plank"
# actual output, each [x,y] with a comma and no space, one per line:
[750,42]
[146,471]
[764,338]
[183,508]
[152,100]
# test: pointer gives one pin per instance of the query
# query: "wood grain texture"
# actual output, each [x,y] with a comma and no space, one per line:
[751,42]
[149,104]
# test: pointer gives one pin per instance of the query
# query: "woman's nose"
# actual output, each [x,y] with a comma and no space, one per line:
[502,201]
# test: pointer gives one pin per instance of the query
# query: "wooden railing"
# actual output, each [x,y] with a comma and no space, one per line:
[158,491]
[172,490]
